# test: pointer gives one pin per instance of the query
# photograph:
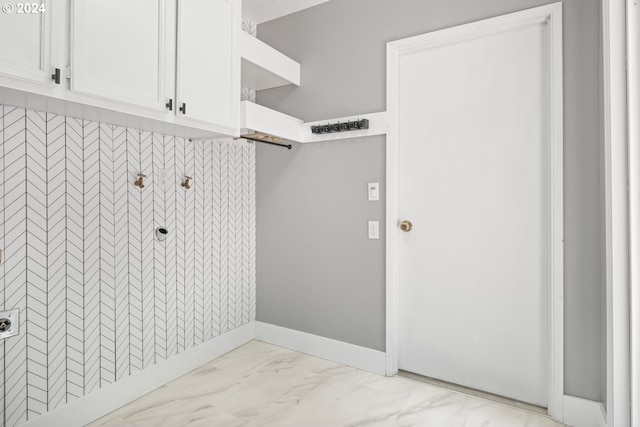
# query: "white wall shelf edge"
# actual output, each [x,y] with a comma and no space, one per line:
[263,119]
[263,67]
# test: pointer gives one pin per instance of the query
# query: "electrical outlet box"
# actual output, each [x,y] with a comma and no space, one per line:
[374,230]
[9,323]
[163,178]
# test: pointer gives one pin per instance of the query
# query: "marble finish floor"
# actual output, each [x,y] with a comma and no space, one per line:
[263,385]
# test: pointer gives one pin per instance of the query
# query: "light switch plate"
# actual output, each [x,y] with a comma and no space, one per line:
[374,230]
[373,190]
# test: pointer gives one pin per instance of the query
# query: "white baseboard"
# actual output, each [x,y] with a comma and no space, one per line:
[577,412]
[580,412]
[325,348]
[106,400]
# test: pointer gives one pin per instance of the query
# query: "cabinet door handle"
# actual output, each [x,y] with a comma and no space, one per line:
[183,108]
[56,76]
[169,105]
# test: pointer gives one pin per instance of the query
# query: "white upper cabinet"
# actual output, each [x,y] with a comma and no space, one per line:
[123,50]
[208,66]
[170,64]
[30,36]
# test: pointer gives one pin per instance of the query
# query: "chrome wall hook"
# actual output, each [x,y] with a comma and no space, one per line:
[185,184]
[140,181]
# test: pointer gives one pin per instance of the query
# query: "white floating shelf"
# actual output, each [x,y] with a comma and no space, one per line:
[263,67]
[263,119]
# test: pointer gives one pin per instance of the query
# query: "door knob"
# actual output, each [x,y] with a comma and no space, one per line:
[406,226]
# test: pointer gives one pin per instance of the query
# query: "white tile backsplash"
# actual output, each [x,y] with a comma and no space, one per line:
[100,297]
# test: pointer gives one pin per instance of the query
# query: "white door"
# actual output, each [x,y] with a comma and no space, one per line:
[26,41]
[123,50]
[208,61]
[475,181]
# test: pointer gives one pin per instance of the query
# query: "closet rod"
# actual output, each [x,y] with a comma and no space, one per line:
[255,137]
[287,146]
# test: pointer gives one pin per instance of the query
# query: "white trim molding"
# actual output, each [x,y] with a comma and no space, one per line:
[633,81]
[325,348]
[616,167]
[95,405]
[580,412]
[551,15]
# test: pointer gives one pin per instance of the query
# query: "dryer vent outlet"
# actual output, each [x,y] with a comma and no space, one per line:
[161,234]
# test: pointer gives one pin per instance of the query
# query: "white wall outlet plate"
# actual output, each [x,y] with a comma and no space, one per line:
[374,229]
[9,323]
[373,190]
[163,178]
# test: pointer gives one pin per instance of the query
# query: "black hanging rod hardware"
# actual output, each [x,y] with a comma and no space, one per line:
[265,139]
[340,127]
[287,146]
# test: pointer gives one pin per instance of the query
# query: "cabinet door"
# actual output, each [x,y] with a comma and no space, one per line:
[121,50]
[26,30]
[208,61]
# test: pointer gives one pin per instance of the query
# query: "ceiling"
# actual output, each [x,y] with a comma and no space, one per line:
[260,11]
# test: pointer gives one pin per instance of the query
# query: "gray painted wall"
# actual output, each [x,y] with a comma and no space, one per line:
[316,270]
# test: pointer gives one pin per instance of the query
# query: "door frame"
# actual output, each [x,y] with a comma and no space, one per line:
[552,15]
[621,165]
[633,81]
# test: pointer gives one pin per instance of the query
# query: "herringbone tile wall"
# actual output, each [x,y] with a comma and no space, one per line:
[99,297]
